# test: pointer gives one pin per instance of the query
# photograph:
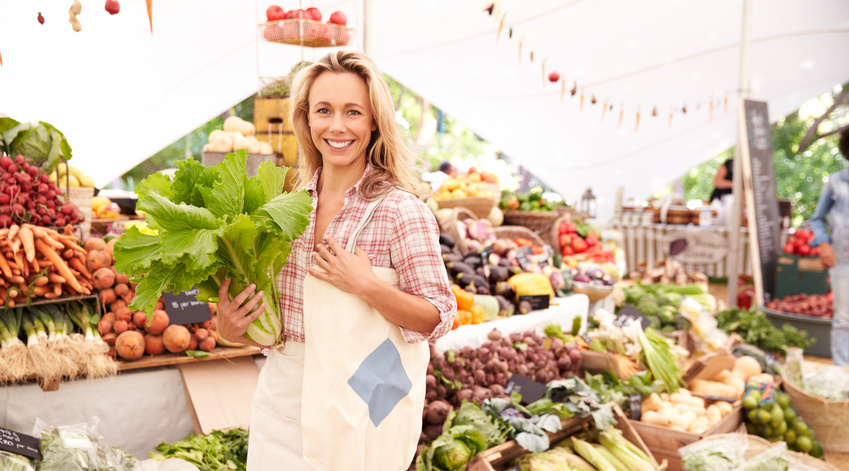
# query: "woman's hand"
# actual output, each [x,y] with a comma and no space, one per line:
[827,255]
[349,272]
[234,316]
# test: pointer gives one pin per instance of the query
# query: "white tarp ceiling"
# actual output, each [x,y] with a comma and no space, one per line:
[120,94]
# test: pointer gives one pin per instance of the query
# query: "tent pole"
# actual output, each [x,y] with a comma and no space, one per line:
[737,188]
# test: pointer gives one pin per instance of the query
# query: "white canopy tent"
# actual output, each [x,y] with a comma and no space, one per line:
[120,94]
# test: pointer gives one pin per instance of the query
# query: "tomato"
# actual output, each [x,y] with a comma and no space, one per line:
[564,239]
[592,239]
[312,13]
[789,247]
[568,250]
[579,245]
[804,250]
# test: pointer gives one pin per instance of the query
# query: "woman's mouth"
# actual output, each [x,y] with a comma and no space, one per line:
[339,145]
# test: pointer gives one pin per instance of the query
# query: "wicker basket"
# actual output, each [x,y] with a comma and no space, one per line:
[513,232]
[480,207]
[595,293]
[565,216]
[829,419]
[448,225]
[537,221]
[310,33]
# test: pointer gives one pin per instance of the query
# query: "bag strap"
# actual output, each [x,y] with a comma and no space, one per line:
[372,206]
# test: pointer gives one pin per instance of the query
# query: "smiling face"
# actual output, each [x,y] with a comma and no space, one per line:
[340,119]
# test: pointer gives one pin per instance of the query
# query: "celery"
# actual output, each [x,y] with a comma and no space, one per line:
[658,358]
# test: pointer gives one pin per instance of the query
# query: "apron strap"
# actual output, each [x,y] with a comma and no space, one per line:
[372,206]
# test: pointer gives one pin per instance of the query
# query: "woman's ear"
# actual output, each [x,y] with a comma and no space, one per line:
[373,126]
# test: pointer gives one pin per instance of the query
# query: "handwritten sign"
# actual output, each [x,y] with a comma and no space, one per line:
[765,212]
[183,308]
[630,312]
[20,444]
[529,389]
[696,246]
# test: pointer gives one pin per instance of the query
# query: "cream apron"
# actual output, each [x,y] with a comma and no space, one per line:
[363,383]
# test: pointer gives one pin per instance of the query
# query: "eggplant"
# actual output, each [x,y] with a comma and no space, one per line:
[481,281]
[446,239]
[498,273]
[459,267]
[504,263]
[446,249]
[472,253]
[457,252]
[504,289]
[482,289]
[479,271]
[464,278]
[451,257]
[473,261]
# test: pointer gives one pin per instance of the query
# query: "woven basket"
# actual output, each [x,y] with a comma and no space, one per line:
[566,215]
[449,225]
[595,293]
[481,207]
[829,419]
[513,232]
[537,221]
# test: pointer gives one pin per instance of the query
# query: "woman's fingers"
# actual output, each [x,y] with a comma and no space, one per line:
[321,261]
[241,297]
[224,291]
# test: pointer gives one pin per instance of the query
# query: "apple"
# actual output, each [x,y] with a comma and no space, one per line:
[112,7]
[553,77]
[275,13]
[338,18]
[296,14]
[313,13]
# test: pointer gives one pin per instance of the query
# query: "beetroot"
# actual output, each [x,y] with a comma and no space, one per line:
[436,412]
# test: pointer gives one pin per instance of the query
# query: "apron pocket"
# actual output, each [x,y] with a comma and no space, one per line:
[274,439]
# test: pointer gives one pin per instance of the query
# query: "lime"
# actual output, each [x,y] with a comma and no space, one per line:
[750,402]
[777,416]
[790,437]
[801,428]
[764,417]
[769,431]
[753,385]
[751,429]
[781,428]
[783,399]
[789,414]
[804,443]
[816,450]
[752,416]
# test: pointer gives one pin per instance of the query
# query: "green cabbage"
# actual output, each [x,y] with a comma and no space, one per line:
[452,450]
[493,431]
[214,223]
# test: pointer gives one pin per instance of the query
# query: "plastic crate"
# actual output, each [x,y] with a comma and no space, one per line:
[795,275]
[817,328]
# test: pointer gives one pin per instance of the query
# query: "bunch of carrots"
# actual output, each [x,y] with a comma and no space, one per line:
[41,262]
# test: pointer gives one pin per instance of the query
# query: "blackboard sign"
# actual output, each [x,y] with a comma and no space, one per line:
[19,443]
[529,389]
[183,308]
[630,312]
[765,212]
[636,403]
[537,302]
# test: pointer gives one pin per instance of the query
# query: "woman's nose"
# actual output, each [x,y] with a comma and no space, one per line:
[337,125]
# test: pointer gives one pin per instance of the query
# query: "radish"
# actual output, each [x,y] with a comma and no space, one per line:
[6,162]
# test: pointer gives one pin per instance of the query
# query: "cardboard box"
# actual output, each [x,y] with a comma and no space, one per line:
[499,458]
[219,393]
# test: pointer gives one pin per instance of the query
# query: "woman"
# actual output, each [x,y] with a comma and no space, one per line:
[358,171]
[833,212]
[723,181]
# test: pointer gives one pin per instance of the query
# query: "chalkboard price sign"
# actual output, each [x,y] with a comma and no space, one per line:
[765,212]
[19,444]
[183,308]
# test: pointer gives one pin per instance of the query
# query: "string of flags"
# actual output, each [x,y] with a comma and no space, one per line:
[494,10]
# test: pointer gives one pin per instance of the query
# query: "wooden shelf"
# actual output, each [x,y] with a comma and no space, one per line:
[169,359]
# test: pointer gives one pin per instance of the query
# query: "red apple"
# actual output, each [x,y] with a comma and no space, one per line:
[338,18]
[275,13]
[553,77]
[312,13]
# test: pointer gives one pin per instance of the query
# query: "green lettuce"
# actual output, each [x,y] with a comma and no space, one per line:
[452,450]
[42,143]
[214,223]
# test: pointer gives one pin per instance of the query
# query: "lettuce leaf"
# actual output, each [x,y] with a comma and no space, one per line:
[214,223]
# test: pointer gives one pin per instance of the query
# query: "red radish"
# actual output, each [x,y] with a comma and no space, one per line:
[193,343]
[201,333]
[112,7]
[553,77]
[40,18]
[140,319]
[109,338]
[338,18]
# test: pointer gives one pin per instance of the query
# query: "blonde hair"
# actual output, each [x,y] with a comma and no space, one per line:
[392,161]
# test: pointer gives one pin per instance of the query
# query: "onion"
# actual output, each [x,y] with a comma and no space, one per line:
[494,334]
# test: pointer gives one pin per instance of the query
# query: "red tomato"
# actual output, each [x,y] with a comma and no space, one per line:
[592,240]
[565,240]
[804,250]
[579,245]
[275,13]
[568,250]
[789,247]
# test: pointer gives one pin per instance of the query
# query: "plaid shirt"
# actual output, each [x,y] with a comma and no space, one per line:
[402,235]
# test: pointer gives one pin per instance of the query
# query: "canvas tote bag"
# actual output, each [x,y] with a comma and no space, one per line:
[364,384]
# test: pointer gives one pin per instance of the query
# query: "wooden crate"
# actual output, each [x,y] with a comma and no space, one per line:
[271,113]
[500,457]
[284,143]
[664,442]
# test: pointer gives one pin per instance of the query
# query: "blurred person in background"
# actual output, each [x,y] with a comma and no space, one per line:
[834,250]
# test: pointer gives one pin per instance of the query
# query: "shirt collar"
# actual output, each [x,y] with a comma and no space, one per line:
[312,186]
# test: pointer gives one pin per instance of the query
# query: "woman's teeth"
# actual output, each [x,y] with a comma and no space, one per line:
[339,145]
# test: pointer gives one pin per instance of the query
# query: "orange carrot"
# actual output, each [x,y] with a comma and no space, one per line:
[4,231]
[670,119]
[637,125]
[51,296]
[17,279]
[60,265]
[57,288]
[150,14]
[603,111]
[13,231]
[41,290]
[41,281]
[500,26]
[49,238]
[582,102]
[4,267]
[72,243]
[75,263]
[26,237]
[53,277]
[68,253]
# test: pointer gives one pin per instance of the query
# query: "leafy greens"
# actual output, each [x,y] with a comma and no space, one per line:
[214,223]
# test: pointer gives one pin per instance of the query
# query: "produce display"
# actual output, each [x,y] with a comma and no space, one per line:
[757,330]
[609,450]
[237,134]
[579,242]
[68,175]
[814,305]
[530,201]
[214,223]
[42,144]
[669,271]
[799,243]
[104,208]
[305,25]
[27,196]
[661,304]
[466,185]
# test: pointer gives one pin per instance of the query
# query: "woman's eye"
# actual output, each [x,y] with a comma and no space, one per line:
[322,110]
[355,112]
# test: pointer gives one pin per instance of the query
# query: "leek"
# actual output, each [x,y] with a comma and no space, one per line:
[658,358]
[14,350]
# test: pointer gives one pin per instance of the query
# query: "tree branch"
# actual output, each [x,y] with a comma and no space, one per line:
[812,135]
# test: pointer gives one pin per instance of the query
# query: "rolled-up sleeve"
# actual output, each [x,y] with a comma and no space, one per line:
[416,256]
[819,219]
